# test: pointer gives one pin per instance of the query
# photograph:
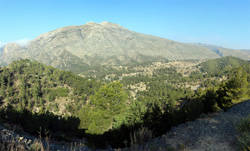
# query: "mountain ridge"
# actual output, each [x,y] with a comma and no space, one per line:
[222,51]
[100,44]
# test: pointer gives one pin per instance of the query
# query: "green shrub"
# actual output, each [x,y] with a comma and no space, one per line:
[210,102]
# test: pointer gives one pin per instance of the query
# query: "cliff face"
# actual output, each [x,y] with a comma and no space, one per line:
[100,44]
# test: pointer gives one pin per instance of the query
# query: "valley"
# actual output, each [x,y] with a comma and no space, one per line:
[108,102]
[126,75]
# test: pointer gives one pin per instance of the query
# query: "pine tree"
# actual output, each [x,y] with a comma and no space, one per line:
[232,91]
[22,90]
[210,100]
[29,104]
[107,103]
[19,107]
[3,87]
[111,97]
[41,102]
[7,99]
[237,86]
[36,89]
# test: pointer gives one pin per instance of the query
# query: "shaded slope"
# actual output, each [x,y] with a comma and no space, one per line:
[214,132]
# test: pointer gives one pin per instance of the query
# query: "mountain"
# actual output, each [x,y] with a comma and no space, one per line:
[77,48]
[1,51]
[223,52]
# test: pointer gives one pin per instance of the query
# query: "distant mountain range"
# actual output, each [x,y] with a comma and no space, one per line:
[222,52]
[77,48]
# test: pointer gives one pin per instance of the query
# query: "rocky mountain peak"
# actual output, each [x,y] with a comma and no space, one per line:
[90,23]
[10,47]
[105,23]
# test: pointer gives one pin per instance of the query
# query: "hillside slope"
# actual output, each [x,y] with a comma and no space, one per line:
[34,95]
[213,132]
[220,65]
[223,52]
[76,48]
[31,85]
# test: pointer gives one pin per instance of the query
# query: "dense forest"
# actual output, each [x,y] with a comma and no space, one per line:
[120,110]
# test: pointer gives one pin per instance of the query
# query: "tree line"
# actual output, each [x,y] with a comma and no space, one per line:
[106,112]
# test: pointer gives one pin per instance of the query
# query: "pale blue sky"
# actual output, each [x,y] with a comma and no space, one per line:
[218,22]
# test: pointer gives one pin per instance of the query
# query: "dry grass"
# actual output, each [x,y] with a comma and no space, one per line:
[140,137]
[8,142]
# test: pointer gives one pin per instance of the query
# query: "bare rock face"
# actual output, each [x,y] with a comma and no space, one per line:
[12,51]
[78,47]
